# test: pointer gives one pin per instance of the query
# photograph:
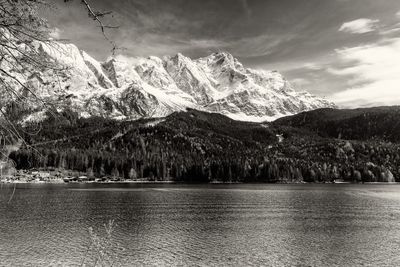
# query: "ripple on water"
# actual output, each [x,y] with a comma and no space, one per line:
[237,225]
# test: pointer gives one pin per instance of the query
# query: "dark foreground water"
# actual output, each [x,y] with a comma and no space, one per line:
[200,225]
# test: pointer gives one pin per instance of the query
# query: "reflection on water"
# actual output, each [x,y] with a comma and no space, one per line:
[280,225]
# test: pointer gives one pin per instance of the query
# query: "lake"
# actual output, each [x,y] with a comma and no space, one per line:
[200,225]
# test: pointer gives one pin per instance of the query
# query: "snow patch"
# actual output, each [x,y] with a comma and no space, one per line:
[154,122]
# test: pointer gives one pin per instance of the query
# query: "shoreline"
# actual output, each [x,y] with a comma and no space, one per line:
[61,181]
[62,176]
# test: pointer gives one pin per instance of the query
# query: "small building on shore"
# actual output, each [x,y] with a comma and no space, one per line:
[83,178]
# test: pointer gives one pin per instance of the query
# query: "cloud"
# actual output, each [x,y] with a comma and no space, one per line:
[398,14]
[206,43]
[55,33]
[392,29]
[260,45]
[300,83]
[312,66]
[375,74]
[359,26]
[246,7]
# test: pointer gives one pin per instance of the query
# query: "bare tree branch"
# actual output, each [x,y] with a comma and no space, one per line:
[96,15]
[23,34]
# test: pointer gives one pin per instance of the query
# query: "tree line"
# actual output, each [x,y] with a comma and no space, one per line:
[130,150]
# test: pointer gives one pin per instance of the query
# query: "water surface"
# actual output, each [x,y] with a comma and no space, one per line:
[202,225]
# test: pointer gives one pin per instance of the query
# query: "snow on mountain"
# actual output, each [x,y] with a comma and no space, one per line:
[130,88]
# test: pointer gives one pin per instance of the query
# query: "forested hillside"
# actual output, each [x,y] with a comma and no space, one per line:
[379,123]
[195,146]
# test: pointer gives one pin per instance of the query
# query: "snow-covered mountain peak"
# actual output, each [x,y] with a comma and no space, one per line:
[129,88]
[221,59]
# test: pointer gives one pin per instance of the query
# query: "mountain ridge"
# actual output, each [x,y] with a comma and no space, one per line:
[197,146]
[379,123]
[132,88]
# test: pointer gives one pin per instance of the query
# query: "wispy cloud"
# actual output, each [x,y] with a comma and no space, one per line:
[261,45]
[300,83]
[359,26]
[246,7]
[391,29]
[55,33]
[375,74]
[312,66]
[205,43]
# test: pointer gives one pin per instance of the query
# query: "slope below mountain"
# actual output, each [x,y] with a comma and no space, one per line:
[196,146]
[380,123]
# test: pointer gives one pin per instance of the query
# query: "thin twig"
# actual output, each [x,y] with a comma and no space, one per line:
[96,16]
[15,185]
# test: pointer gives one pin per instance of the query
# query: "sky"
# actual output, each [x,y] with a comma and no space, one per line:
[345,50]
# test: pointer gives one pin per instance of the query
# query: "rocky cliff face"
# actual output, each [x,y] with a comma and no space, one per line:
[131,88]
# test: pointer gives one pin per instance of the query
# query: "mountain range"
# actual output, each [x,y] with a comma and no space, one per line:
[132,88]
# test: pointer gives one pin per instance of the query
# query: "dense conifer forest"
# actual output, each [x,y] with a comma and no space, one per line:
[193,146]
